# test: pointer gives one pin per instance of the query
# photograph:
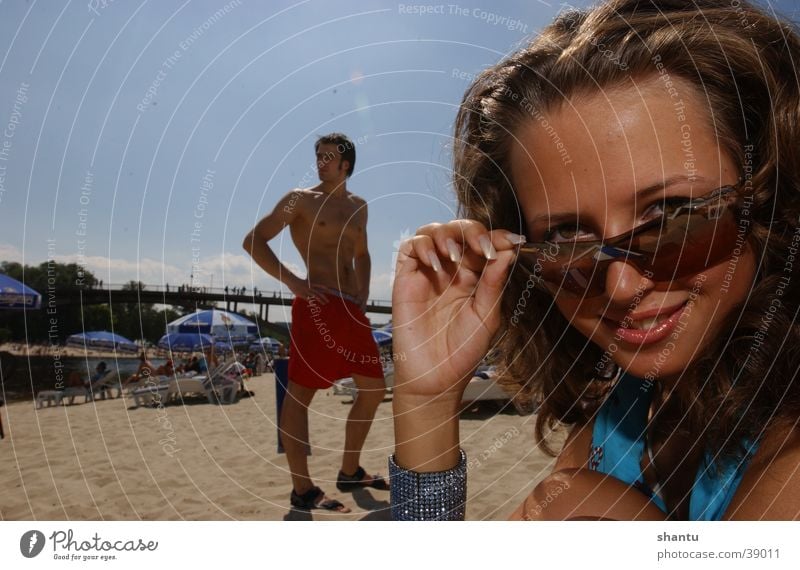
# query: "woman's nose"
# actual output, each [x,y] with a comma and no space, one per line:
[624,283]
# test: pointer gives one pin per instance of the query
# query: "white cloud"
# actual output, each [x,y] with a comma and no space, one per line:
[9,252]
[231,269]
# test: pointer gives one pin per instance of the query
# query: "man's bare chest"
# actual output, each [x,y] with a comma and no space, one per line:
[340,218]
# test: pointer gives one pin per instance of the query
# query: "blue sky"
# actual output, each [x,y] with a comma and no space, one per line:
[132,121]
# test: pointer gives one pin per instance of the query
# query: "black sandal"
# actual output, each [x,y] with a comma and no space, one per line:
[308,501]
[356,481]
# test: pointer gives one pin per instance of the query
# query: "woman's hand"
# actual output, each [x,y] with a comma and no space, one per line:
[445,310]
[446,305]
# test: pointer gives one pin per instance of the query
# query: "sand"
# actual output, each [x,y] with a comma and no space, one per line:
[109,461]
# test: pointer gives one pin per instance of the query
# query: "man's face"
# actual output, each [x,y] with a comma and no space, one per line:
[330,166]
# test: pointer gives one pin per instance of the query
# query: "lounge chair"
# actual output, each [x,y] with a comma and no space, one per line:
[226,381]
[483,387]
[153,391]
[347,386]
[180,387]
[104,384]
[68,395]
[50,397]
[144,382]
[215,393]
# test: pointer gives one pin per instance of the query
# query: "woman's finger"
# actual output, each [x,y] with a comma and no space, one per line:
[451,238]
[424,250]
[490,289]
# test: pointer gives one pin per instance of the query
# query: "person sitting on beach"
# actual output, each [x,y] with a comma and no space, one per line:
[249,362]
[165,369]
[74,380]
[99,372]
[328,225]
[207,360]
[652,309]
[145,370]
[190,365]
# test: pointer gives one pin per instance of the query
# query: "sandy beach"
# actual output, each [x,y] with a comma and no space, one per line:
[109,461]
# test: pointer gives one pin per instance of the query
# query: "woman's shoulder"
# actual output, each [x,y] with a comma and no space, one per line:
[770,487]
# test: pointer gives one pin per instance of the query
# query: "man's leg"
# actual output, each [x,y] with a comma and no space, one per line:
[294,434]
[371,392]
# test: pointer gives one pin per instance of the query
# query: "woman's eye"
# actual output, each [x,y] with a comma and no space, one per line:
[666,207]
[567,232]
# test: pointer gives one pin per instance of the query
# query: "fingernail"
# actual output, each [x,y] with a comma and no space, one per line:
[452,248]
[516,238]
[487,247]
[437,266]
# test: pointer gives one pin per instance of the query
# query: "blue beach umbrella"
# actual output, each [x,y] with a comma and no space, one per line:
[223,347]
[186,342]
[382,336]
[266,344]
[102,339]
[16,295]
[222,325]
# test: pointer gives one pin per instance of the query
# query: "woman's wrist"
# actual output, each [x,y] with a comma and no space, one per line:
[426,434]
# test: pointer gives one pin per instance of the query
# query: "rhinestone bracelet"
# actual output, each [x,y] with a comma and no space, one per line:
[439,496]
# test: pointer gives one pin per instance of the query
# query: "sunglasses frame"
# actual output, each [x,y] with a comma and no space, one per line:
[608,250]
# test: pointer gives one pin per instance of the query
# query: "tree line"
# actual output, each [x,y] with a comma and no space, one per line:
[131,320]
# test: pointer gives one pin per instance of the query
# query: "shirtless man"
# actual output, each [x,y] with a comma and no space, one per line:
[331,336]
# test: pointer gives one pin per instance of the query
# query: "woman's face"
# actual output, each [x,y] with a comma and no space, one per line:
[602,164]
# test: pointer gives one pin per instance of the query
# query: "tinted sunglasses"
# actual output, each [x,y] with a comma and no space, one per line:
[689,237]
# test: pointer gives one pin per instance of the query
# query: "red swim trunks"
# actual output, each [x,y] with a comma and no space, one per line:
[329,342]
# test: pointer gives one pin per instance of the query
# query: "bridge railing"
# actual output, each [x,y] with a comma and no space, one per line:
[251,293]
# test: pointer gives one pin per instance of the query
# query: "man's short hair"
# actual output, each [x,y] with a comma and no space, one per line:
[344,146]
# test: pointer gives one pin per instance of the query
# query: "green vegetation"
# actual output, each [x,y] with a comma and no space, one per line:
[131,320]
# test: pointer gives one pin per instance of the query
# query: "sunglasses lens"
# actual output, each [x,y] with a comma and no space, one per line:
[689,244]
[679,247]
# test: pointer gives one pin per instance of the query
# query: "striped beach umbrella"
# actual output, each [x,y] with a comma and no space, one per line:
[16,295]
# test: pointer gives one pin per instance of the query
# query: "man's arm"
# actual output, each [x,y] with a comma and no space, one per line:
[255,242]
[362,261]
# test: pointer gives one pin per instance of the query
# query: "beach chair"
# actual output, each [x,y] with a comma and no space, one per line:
[49,397]
[482,387]
[227,381]
[154,392]
[105,384]
[180,387]
[143,382]
[347,386]
[68,395]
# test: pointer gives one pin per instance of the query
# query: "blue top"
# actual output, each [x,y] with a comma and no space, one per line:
[618,443]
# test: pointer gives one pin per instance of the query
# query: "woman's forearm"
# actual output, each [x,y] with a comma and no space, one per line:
[426,434]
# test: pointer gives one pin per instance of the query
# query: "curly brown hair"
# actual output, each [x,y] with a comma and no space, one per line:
[743,62]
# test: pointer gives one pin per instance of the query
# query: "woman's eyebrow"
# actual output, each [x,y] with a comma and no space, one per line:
[640,195]
[647,191]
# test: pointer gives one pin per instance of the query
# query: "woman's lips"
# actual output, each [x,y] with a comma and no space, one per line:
[637,336]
